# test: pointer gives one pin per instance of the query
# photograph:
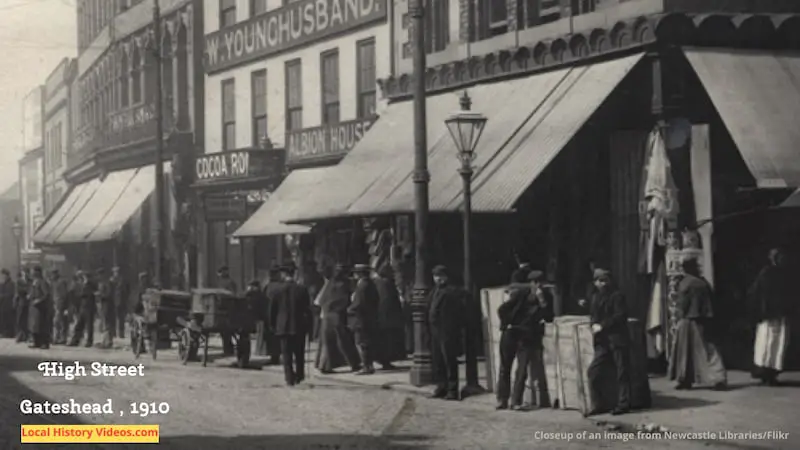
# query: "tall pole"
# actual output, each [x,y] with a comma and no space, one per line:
[421,370]
[472,386]
[159,191]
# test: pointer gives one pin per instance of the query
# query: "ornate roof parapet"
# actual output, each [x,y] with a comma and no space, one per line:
[770,31]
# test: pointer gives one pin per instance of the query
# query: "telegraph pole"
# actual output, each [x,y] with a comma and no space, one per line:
[158,201]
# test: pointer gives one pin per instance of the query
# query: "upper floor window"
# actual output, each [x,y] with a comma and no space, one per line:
[366,78]
[294,95]
[227,13]
[228,115]
[258,82]
[437,25]
[329,68]
[258,7]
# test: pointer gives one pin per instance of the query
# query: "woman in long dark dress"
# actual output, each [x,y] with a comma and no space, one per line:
[336,346]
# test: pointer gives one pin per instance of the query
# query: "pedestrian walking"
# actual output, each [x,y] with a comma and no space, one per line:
[7,313]
[120,294]
[39,311]
[86,313]
[336,346]
[695,359]
[390,338]
[60,295]
[270,343]
[290,318]
[609,321]
[257,301]
[772,307]
[446,318]
[106,308]
[522,321]
[227,283]
[362,317]
[21,305]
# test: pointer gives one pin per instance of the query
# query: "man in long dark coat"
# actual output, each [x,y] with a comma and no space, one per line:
[391,325]
[609,321]
[695,359]
[336,346]
[772,305]
[446,318]
[60,295]
[290,318]
[270,343]
[105,303]
[21,305]
[120,294]
[40,310]
[7,314]
[226,282]
[362,317]
[86,313]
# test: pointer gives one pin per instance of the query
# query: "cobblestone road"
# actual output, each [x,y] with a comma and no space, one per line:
[219,408]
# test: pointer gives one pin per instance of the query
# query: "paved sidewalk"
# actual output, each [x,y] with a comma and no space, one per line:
[745,407]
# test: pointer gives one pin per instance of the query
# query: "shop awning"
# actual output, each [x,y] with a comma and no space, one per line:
[98,209]
[530,121]
[757,94]
[793,201]
[293,192]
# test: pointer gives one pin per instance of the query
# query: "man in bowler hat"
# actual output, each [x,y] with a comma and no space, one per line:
[289,319]
[446,320]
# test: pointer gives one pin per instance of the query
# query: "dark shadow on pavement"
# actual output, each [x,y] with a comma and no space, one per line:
[662,402]
[295,442]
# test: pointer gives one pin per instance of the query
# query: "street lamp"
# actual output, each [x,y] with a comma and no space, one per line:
[16,228]
[466,128]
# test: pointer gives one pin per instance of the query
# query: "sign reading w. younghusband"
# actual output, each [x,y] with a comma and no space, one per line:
[296,24]
[324,143]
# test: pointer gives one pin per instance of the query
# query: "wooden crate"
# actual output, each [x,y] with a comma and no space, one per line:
[491,299]
[567,363]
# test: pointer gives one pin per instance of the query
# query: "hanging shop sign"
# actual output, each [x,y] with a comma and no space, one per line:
[223,208]
[296,24]
[326,142]
[239,165]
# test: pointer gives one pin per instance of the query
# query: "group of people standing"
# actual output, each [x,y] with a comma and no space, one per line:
[53,310]
[360,320]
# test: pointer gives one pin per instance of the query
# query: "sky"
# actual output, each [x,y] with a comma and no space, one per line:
[35,35]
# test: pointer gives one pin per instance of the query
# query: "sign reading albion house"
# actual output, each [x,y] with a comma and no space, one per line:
[293,25]
[325,143]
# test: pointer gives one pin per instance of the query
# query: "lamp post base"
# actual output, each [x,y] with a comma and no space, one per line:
[472,390]
[421,374]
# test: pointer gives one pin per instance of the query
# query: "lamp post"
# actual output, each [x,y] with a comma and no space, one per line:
[421,370]
[158,198]
[16,228]
[466,128]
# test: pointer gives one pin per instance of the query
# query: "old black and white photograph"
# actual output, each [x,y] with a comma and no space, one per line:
[399,224]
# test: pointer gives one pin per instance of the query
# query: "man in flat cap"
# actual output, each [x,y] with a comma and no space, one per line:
[290,319]
[446,318]
[87,312]
[60,295]
[40,307]
[271,344]
[608,313]
[362,317]
[226,282]
[522,320]
[120,293]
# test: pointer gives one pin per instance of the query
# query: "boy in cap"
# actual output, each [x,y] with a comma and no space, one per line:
[446,319]
[608,313]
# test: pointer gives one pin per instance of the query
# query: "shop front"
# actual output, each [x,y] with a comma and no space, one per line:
[230,187]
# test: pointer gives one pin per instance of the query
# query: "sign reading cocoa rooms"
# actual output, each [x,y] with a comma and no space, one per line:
[326,142]
[293,25]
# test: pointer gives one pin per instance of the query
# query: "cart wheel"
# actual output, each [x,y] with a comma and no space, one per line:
[243,350]
[154,342]
[137,339]
[184,345]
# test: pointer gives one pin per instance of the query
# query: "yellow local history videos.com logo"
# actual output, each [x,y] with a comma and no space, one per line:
[95,434]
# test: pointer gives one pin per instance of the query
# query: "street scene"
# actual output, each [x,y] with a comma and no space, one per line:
[399,224]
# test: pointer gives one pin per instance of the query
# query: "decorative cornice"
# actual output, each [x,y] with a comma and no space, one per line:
[774,31]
